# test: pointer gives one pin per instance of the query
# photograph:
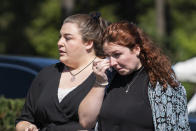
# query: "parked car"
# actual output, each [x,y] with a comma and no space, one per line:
[192,112]
[18,72]
[192,121]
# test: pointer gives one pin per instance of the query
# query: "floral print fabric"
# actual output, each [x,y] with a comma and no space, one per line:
[169,108]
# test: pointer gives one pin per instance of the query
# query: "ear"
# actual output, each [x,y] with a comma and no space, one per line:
[89,44]
[136,50]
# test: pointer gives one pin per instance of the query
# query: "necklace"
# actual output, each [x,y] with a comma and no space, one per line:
[74,75]
[133,81]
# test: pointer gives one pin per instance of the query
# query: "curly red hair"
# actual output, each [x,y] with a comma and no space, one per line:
[155,62]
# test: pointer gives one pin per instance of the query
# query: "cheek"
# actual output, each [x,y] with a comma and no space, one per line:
[129,61]
[71,47]
[76,50]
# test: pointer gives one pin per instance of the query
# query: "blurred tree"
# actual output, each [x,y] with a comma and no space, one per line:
[67,7]
[43,30]
[29,27]
[106,8]
[34,25]
[180,23]
[184,28]
[14,17]
[160,17]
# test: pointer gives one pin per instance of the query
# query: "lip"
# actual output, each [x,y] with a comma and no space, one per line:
[61,52]
[119,69]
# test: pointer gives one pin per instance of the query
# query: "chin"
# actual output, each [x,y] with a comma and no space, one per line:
[123,73]
[62,59]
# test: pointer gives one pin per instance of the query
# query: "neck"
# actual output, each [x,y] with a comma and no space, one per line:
[139,65]
[81,63]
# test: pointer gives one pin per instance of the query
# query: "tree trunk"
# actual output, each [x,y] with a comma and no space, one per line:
[67,7]
[160,17]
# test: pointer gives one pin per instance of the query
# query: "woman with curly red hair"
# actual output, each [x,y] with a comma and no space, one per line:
[143,95]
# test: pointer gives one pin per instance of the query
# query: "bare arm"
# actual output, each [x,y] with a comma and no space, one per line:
[25,126]
[90,106]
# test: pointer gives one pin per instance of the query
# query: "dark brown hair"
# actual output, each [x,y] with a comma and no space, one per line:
[157,65]
[91,27]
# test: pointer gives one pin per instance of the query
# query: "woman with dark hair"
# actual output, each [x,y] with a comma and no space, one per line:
[53,99]
[143,95]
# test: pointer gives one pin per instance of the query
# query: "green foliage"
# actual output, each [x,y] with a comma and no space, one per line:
[108,12]
[43,32]
[44,41]
[9,110]
[147,22]
[185,44]
[5,20]
[2,47]
[184,33]
[150,26]
[34,25]
[22,24]
[190,89]
[180,40]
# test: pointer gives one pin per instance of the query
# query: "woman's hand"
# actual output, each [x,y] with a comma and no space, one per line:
[31,127]
[99,67]
[26,126]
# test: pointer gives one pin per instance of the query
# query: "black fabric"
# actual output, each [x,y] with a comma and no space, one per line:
[127,112]
[43,108]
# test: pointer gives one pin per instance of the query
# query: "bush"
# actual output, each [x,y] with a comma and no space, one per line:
[10,109]
[190,89]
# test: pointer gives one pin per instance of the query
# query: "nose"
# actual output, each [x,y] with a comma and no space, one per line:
[113,62]
[60,42]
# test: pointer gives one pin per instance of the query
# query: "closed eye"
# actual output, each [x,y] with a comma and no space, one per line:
[67,37]
[116,55]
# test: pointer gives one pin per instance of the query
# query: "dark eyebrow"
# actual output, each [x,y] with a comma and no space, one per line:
[112,53]
[116,51]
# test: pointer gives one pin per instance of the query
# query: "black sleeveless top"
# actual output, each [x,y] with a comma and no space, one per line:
[129,111]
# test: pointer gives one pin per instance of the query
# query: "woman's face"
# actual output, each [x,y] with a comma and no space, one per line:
[122,59]
[71,46]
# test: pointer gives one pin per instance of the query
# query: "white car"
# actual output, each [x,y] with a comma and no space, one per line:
[186,71]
